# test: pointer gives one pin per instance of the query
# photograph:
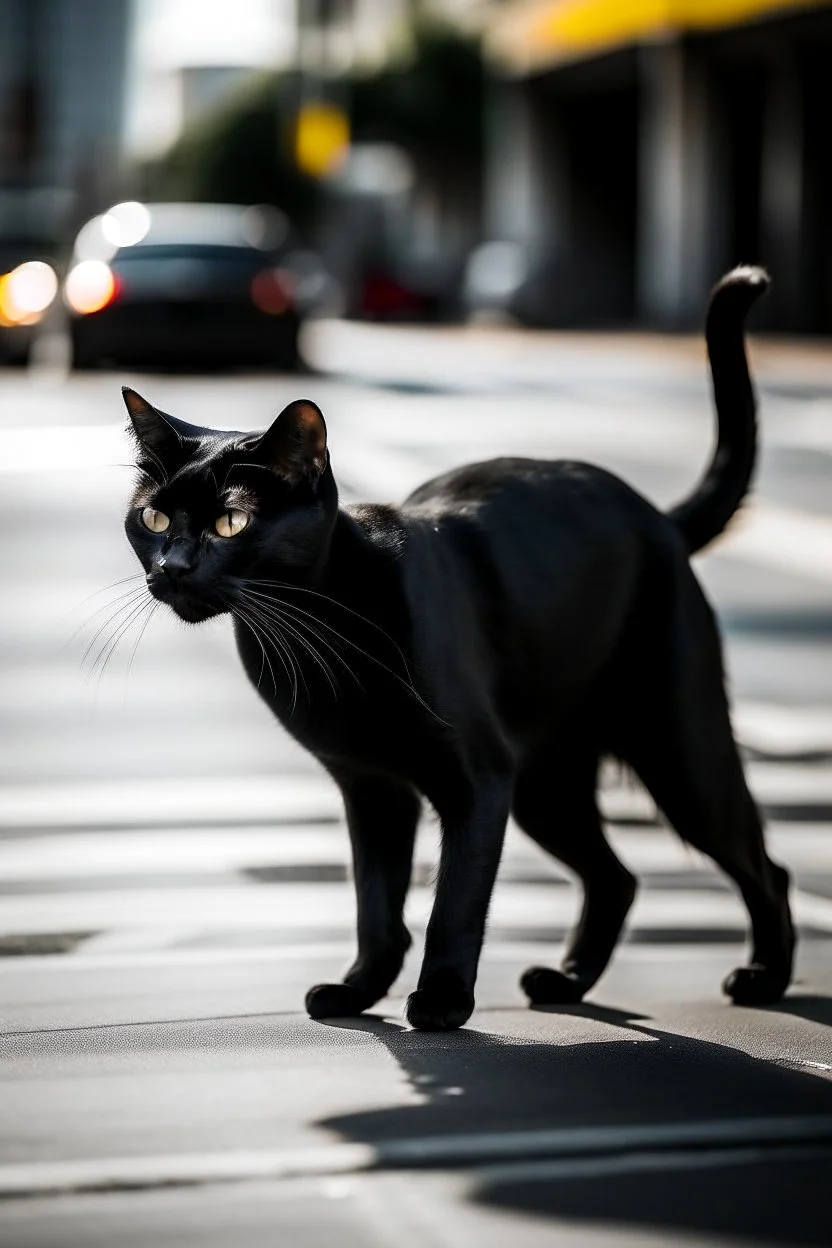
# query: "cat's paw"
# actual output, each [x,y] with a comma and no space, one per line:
[543,986]
[754,985]
[335,1001]
[439,1007]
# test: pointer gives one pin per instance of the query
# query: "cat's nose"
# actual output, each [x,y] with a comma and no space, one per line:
[171,566]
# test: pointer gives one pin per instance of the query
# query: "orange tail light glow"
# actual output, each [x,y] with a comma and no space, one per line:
[26,293]
[91,286]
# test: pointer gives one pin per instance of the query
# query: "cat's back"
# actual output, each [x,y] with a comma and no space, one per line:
[534,560]
[523,489]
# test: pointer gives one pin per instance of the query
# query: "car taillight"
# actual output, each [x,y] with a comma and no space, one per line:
[26,293]
[90,286]
[272,291]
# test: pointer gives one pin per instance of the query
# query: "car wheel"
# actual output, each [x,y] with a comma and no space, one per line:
[289,362]
[82,358]
[287,357]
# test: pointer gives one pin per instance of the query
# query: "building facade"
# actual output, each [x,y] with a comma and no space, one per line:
[641,147]
[63,65]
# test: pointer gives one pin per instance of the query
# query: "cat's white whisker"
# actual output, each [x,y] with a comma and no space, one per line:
[108,650]
[132,597]
[408,684]
[261,627]
[303,589]
[280,616]
[271,630]
[265,660]
[104,607]
[153,609]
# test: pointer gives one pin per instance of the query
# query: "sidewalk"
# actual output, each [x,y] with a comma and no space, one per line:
[483,355]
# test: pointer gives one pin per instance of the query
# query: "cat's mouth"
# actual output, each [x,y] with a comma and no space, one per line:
[193,612]
[189,608]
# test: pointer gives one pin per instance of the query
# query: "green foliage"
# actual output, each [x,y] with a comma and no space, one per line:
[240,152]
[429,100]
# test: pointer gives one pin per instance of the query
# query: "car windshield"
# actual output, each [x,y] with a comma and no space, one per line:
[248,257]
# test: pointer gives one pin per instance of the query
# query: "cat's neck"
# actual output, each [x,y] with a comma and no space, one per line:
[358,587]
[361,566]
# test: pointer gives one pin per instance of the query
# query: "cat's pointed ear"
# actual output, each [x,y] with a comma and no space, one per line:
[155,431]
[295,444]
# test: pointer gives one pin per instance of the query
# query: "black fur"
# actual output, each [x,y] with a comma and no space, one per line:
[481,646]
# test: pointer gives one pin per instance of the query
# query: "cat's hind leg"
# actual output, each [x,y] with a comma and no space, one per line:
[382,816]
[694,773]
[555,804]
[681,744]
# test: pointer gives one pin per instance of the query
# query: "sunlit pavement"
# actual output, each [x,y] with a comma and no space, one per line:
[173,872]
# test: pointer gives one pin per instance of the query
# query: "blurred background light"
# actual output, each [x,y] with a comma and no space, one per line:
[90,286]
[126,224]
[27,292]
[493,273]
[94,242]
[377,169]
[271,291]
[322,138]
[264,226]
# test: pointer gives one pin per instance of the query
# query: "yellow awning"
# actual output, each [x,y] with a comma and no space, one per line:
[532,34]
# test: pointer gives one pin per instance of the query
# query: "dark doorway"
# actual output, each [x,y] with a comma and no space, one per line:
[739,108]
[601,131]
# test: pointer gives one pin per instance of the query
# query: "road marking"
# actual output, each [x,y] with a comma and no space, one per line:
[185,1170]
[286,907]
[790,784]
[200,852]
[82,855]
[196,1169]
[781,538]
[201,800]
[783,731]
[514,952]
[293,798]
[640,1163]
[333,951]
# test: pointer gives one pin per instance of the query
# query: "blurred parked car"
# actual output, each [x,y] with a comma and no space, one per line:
[28,287]
[191,284]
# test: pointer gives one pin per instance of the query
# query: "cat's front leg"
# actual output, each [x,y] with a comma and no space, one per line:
[382,816]
[472,841]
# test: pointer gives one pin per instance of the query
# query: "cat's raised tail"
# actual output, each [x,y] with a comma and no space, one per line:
[704,515]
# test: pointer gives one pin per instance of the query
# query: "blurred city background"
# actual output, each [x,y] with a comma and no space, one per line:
[576,164]
[465,228]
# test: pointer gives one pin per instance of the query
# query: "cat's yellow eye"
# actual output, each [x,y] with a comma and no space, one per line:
[232,522]
[156,521]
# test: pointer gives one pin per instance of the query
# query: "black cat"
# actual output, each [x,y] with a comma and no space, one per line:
[483,646]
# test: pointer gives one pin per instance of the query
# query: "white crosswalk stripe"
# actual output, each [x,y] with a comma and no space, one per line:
[127,869]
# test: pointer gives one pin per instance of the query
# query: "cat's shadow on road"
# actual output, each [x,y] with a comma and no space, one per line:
[619,1071]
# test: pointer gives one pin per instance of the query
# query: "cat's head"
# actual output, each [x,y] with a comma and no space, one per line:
[214,511]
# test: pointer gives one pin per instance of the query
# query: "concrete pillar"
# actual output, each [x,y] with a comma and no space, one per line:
[524,200]
[673,272]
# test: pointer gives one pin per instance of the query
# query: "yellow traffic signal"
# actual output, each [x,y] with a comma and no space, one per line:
[322,137]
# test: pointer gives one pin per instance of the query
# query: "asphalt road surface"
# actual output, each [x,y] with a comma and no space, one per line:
[173,870]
